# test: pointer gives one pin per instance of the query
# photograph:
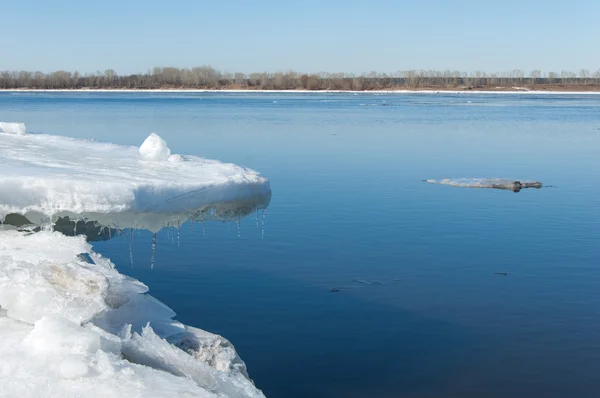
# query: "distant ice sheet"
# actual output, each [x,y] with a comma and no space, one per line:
[498,183]
[45,177]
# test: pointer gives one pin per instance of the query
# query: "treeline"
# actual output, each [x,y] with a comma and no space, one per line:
[206,77]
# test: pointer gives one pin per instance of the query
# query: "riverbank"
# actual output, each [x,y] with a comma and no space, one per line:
[579,90]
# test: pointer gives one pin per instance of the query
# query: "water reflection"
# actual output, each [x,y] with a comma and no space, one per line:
[105,226]
[93,231]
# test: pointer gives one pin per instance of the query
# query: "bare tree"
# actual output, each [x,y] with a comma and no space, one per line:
[207,77]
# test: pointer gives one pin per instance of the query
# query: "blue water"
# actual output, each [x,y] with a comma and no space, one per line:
[348,202]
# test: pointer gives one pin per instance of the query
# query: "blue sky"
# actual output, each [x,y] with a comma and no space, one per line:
[310,36]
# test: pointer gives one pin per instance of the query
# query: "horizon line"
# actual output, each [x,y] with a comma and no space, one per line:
[582,73]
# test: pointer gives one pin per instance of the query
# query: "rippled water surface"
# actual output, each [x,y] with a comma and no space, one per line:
[366,281]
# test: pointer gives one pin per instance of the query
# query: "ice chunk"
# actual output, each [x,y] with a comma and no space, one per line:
[13,128]
[210,348]
[57,336]
[44,177]
[28,372]
[154,149]
[68,319]
[499,183]
[150,350]
[33,285]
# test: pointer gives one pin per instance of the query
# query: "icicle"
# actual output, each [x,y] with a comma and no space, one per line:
[239,228]
[153,251]
[256,216]
[131,246]
[178,234]
[75,229]
[262,232]
[202,223]
[168,231]
[109,233]
[172,235]
[192,224]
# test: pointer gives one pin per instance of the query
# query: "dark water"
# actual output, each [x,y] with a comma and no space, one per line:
[420,310]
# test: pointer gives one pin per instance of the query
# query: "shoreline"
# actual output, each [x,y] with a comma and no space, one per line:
[242,91]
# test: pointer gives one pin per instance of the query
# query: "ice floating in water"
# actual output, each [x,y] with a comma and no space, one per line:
[498,183]
[44,177]
[13,128]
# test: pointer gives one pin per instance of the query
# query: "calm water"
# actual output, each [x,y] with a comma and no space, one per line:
[348,202]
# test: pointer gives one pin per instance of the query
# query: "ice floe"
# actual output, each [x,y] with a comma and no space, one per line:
[498,183]
[44,177]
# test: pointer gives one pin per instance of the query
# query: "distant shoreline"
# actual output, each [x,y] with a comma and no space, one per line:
[522,91]
[205,78]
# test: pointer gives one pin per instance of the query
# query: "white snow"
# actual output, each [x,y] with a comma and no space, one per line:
[175,158]
[154,149]
[45,176]
[70,324]
[13,128]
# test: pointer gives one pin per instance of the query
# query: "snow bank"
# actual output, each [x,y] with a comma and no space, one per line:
[500,183]
[45,177]
[13,128]
[72,327]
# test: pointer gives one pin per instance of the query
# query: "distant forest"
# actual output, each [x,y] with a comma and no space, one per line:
[206,77]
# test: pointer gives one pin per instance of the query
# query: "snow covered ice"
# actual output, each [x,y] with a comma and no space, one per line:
[13,128]
[45,177]
[70,324]
[73,328]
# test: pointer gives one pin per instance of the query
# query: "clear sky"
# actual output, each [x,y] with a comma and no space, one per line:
[307,36]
